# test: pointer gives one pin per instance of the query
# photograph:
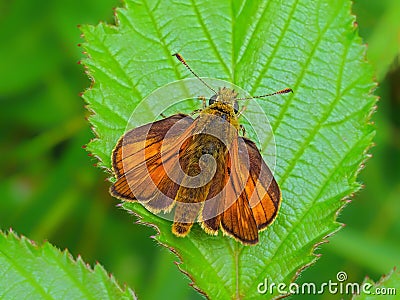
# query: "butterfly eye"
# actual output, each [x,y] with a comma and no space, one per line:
[212,99]
[236,107]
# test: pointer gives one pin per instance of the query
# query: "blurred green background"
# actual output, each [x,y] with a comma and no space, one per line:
[50,189]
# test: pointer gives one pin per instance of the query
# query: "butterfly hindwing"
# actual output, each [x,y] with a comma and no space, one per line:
[237,220]
[251,198]
[265,195]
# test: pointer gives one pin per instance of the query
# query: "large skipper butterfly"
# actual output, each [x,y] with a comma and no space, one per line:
[200,170]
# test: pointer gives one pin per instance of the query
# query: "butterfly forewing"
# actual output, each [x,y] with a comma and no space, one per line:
[137,160]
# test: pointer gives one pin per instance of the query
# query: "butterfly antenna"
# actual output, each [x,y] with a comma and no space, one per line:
[180,58]
[284,91]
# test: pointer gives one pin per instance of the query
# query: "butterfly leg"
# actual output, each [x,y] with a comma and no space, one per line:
[204,100]
[243,130]
[241,111]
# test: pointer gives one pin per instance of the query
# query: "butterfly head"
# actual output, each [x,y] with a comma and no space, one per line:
[225,96]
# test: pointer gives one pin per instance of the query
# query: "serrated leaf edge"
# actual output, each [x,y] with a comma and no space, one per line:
[65,253]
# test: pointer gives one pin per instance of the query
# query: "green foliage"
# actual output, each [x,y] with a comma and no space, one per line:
[382,38]
[44,272]
[321,131]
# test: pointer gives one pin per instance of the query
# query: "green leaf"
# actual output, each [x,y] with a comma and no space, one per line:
[29,271]
[321,131]
[387,287]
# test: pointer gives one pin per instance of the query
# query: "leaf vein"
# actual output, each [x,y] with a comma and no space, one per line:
[318,125]
[291,97]
[307,210]
[28,276]
[210,39]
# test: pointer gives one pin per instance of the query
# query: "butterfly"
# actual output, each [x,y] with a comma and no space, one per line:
[201,169]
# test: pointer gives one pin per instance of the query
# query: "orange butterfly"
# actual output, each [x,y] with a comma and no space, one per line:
[200,168]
